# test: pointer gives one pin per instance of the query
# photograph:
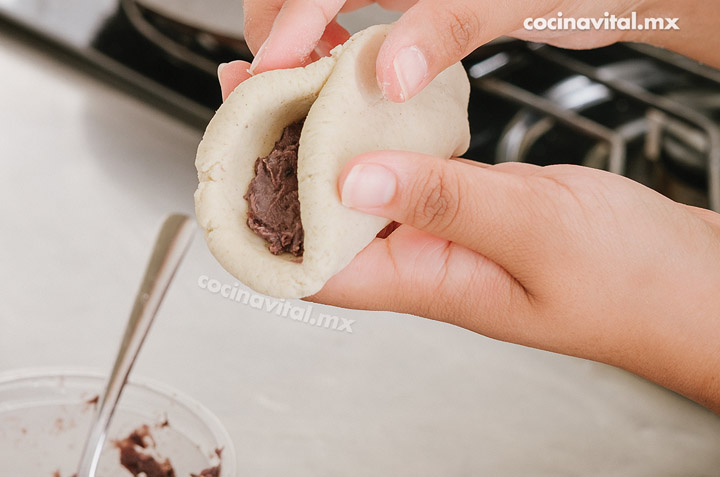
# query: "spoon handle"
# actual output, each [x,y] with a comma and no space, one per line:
[170,247]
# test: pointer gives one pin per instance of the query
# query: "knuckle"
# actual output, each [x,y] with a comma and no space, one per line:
[462,26]
[435,199]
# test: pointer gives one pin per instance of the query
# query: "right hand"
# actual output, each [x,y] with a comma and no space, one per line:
[563,258]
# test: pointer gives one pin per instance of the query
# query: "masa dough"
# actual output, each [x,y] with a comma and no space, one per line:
[346,116]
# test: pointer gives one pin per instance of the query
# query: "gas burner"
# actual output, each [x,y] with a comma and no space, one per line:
[644,113]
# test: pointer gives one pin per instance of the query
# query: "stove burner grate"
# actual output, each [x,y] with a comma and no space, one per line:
[667,103]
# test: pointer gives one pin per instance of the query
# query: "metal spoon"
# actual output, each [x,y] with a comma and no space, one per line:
[170,247]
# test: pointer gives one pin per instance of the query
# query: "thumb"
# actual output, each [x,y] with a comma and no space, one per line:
[433,35]
[483,209]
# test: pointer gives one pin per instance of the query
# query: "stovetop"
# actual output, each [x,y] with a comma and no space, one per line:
[638,111]
[165,62]
[633,110]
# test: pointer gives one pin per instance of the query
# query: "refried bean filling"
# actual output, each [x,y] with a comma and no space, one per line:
[273,202]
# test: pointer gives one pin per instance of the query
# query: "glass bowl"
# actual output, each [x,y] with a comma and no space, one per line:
[45,416]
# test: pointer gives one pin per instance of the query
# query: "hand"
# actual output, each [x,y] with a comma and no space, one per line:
[433,34]
[563,258]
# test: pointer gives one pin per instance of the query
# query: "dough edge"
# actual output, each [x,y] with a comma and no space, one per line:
[250,121]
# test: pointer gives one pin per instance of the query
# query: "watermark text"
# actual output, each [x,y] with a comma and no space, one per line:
[606,22]
[302,313]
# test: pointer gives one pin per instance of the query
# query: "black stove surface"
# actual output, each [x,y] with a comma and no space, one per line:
[165,62]
[641,112]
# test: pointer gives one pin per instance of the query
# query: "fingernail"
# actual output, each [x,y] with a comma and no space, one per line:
[221,67]
[323,48]
[258,57]
[411,70]
[368,186]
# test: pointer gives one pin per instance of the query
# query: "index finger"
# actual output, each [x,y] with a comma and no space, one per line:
[259,18]
[296,31]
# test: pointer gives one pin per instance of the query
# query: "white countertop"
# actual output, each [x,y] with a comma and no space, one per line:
[88,174]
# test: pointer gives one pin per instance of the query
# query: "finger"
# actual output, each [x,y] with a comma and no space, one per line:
[433,35]
[259,18]
[333,36]
[396,5]
[517,168]
[471,162]
[414,272]
[392,5]
[485,210]
[297,28]
[352,5]
[232,74]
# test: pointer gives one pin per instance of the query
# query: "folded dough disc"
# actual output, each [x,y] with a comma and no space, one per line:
[346,116]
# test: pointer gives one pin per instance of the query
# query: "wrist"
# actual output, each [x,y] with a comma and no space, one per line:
[676,344]
[689,358]
[667,329]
